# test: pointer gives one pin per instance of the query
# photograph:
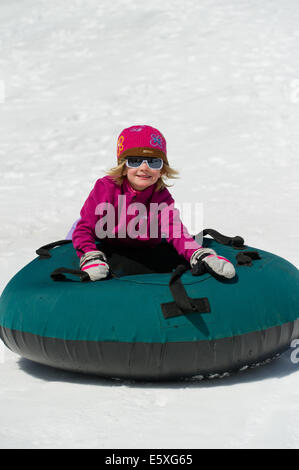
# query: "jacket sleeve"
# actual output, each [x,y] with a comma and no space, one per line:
[175,231]
[84,234]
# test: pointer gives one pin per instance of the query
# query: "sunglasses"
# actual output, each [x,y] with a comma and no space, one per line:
[152,163]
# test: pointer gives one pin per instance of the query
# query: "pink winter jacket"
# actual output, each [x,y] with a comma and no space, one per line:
[140,218]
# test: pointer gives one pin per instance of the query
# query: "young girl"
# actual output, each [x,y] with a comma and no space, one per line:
[137,184]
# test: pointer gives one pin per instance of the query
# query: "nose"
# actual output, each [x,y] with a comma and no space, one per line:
[144,166]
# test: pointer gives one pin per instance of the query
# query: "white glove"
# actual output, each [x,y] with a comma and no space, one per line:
[94,264]
[207,259]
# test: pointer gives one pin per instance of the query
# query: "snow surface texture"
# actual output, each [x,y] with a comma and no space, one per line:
[221,80]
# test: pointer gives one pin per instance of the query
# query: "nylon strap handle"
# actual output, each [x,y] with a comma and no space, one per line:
[183,304]
[178,290]
[246,257]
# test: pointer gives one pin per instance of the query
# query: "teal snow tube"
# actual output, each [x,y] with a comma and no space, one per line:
[145,323]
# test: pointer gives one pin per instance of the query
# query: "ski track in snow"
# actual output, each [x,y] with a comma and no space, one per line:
[221,80]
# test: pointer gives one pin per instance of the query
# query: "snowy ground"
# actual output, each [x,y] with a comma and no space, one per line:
[221,80]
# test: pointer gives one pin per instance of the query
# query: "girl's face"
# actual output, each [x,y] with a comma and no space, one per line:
[142,177]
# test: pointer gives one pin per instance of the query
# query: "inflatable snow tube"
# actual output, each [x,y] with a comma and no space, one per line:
[152,320]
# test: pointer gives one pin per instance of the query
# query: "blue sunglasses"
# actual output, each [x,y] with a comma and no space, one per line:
[152,163]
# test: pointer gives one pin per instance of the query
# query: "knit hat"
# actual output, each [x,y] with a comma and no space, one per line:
[141,141]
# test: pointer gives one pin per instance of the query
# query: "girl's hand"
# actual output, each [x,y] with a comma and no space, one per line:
[206,259]
[94,264]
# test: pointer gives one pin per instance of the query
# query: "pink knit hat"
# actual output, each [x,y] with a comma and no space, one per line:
[141,141]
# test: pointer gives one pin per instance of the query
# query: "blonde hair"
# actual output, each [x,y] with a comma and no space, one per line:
[117,174]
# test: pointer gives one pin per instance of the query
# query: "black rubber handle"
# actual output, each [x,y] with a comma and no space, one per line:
[44,251]
[59,274]
[236,242]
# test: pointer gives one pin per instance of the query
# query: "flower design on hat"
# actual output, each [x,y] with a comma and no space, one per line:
[120,146]
[156,140]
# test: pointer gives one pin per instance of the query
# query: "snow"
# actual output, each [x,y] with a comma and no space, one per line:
[221,80]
